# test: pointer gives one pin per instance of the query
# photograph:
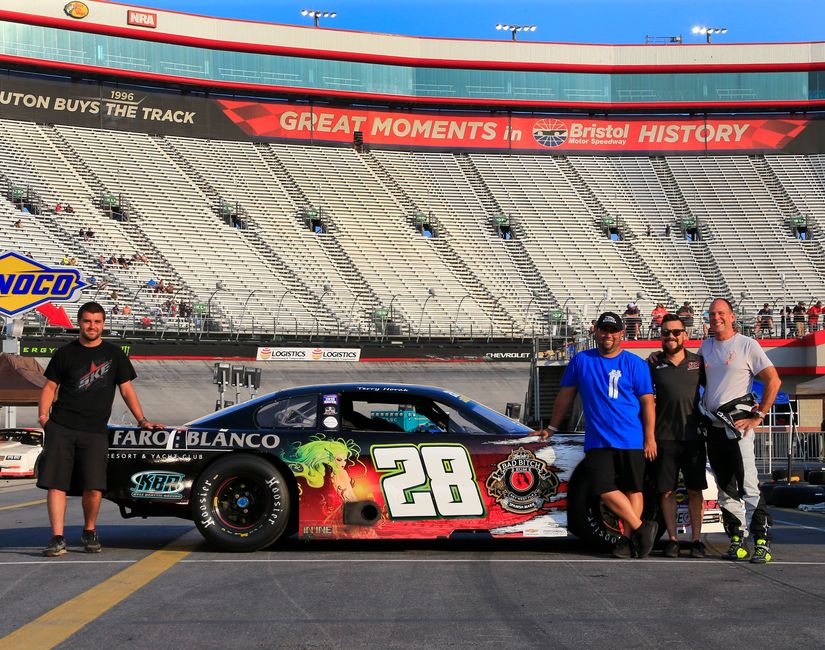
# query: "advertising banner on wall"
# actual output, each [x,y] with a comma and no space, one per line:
[308,354]
[110,106]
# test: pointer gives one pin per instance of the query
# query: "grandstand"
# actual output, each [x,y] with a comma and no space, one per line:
[268,229]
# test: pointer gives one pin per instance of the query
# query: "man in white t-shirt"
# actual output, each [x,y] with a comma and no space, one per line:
[731,362]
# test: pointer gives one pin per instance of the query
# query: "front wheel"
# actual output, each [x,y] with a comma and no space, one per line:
[589,519]
[241,503]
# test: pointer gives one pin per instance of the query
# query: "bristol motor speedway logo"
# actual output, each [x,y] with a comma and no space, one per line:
[522,484]
[26,283]
[550,133]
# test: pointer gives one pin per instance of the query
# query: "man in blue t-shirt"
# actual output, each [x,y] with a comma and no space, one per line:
[620,416]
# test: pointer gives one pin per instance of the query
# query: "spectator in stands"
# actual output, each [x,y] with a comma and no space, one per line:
[142,258]
[146,321]
[799,313]
[68,208]
[65,260]
[82,235]
[170,288]
[667,230]
[813,316]
[685,314]
[764,320]
[127,309]
[123,262]
[101,262]
[115,309]
[648,232]
[633,320]
[112,260]
[115,296]
[592,329]
[160,287]
[58,208]
[72,261]
[657,315]
[90,234]
[18,223]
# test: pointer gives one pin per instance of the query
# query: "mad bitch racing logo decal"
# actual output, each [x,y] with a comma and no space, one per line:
[523,483]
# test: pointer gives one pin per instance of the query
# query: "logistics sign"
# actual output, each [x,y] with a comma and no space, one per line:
[26,284]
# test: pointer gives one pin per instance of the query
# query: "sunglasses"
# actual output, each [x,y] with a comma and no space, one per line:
[673,333]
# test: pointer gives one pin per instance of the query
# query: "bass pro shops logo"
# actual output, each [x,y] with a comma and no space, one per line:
[523,483]
[25,284]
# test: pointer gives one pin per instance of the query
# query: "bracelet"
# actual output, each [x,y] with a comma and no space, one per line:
[142,420]
[40,418]
[550,427]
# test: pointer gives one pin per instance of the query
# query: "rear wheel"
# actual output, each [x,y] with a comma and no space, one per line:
[241,503]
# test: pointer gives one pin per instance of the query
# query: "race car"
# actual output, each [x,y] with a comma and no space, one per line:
[358,461]
[19,452]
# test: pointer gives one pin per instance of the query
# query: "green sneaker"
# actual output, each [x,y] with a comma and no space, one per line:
[761,552]
[736,551]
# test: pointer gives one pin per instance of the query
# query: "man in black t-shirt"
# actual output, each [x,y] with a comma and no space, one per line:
[677,375]
[76,439]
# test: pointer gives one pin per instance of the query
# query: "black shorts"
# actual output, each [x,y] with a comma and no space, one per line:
[672,456]
[72,460]
[615,469]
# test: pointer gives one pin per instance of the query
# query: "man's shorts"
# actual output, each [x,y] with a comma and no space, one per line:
[672,456]
[72,460]
[615,469]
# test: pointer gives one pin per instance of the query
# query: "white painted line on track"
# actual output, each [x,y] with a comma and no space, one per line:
[796,524]
[664,562]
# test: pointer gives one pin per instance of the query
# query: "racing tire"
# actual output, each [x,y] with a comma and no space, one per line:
[587,517]
[816,477]
[241,503]
[791,496]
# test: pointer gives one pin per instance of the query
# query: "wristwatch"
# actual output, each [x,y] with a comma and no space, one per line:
[760,414]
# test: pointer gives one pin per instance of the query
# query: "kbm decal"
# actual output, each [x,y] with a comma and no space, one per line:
[24,284]
[157,485]
[523,483]
[76,10]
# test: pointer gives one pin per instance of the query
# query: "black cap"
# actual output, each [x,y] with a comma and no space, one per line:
[608,320]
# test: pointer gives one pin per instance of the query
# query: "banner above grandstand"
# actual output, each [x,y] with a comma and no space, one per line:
[117,107]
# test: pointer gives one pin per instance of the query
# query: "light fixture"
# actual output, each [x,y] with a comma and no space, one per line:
[316,14]
[709,31]
[513,29]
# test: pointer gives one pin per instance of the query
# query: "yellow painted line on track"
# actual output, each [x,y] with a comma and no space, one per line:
[58,624]
[24,505]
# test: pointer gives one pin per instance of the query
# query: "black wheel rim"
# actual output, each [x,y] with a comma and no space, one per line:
[241,502]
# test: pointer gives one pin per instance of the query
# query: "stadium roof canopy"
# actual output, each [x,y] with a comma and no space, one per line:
[109,40]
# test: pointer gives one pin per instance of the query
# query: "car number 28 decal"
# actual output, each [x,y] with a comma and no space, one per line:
[427,481]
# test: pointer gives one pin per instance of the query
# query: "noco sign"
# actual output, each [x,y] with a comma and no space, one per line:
[26,283]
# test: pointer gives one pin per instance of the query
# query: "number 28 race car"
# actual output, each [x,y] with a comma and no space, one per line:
[357,461]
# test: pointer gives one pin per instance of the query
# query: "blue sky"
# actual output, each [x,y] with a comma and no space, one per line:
[575,21]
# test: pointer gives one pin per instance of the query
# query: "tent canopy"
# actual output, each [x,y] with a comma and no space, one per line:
[812,388]
[21,379]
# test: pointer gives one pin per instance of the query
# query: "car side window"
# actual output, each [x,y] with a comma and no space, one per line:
[297,412]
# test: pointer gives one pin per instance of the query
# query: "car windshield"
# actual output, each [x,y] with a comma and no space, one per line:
[499,419]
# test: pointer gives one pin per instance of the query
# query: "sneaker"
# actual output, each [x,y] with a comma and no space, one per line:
[761,552]
[697,550]
[623,549]
[644,537]
[671,548]
[90,541]
[736,551]
[56,547]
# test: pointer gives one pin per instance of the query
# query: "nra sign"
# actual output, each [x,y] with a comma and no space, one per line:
[142,18]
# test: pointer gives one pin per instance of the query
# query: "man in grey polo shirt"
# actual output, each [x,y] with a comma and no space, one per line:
[731,363]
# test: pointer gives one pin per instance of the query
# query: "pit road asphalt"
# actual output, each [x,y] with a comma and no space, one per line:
[156,584]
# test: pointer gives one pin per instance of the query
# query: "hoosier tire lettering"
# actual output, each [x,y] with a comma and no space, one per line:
[241,503]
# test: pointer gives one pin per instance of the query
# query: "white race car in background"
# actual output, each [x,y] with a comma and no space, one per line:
[19,452]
